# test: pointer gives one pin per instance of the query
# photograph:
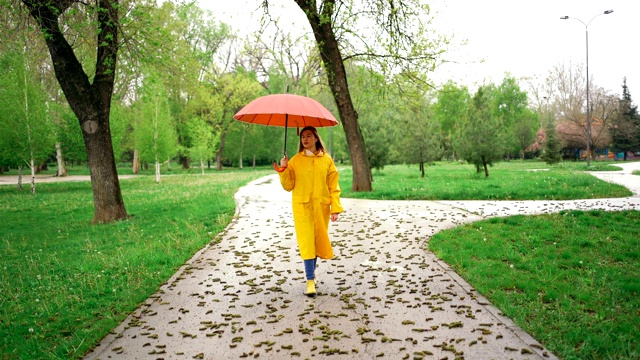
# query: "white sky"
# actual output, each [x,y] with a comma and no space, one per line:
[524,38]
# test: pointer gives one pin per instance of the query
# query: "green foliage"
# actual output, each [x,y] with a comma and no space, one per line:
[120,122]
[568,279]
[62,290]
[377,112]
[552,147]
[524,130]
[531,180]
[154,127]
[264,144]
[70,137]
[510,106]
[625,129]
[27,136]
[203,140]
[480,139]
[420,138]
[451,111]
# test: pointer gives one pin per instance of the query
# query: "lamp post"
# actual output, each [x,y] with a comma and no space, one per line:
[586,31]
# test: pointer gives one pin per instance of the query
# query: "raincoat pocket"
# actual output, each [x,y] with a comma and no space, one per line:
[300,199]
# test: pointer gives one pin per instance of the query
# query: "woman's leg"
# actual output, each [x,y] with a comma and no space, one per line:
[310,269]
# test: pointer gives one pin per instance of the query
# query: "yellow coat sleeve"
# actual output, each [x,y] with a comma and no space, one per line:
[334,188]
[288,178]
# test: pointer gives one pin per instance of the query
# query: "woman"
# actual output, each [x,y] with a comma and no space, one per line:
[312,177]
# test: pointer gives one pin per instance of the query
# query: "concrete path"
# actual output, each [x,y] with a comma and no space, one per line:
[383,296]
[26,179]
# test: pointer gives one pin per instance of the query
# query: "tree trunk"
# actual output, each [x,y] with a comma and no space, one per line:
[254,161]
[136,161]
[223,138]
[184,161]
[337,77]
[62,168]
[486,169]
[202,166]
[244,132]
[91,102]
[422,168]
[33,175]
[157,172]
[19,177]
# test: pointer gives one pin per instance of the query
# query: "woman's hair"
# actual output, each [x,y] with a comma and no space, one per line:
[319,143]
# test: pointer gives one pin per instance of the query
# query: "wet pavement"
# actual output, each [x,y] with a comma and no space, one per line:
[382,297]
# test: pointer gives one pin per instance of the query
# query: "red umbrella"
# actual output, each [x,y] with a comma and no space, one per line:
[286,110]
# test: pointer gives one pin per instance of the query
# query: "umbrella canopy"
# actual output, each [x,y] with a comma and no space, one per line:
[286,110]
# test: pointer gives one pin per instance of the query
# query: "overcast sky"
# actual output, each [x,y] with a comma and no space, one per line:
[524,38]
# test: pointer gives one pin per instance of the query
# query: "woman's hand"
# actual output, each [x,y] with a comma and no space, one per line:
[334,217]
[284,162]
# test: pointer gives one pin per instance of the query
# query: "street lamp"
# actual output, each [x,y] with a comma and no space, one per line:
[586,31]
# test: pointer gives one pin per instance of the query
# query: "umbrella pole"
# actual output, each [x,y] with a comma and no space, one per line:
[286,126]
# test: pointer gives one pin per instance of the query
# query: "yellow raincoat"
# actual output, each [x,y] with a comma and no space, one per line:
[315,196]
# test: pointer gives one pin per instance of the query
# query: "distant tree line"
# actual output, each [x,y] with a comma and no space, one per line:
[181,76]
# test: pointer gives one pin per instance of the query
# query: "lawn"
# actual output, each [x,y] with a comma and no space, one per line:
[64,284]
[570,279]
[515,180]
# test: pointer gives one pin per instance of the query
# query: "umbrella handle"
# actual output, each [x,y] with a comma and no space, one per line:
[278,168]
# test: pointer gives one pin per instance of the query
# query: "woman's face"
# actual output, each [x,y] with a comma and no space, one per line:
[308,140]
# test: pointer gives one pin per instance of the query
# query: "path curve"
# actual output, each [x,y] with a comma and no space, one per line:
[382,297]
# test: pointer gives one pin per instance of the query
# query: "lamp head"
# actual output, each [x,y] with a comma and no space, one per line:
[608,11]
[564,18]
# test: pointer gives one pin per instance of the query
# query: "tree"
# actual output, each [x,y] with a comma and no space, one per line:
[421,138]
[23,121]
[397,38]
[155,130]
[233,92]
[625,129]
[510,104]
[480,139]
[551,154]
[567,88]
[88,96]
[203,141]
[208,48]
[524,130]
[450,111]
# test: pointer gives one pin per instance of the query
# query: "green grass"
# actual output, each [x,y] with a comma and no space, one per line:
[64,284]
[637,172]
[513,180]
[569,279]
